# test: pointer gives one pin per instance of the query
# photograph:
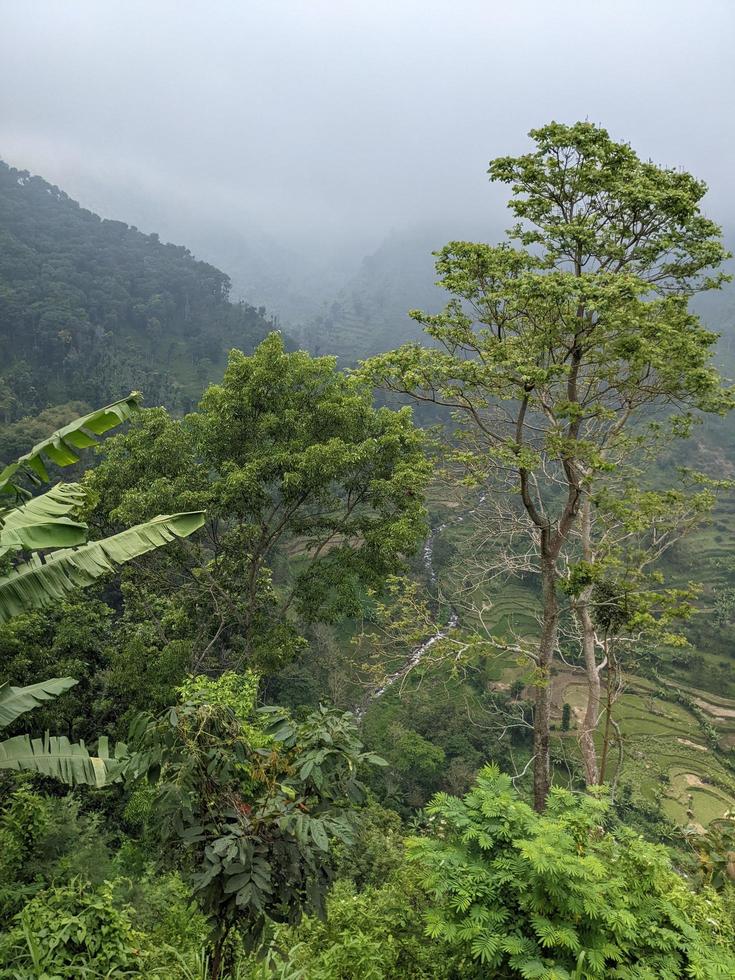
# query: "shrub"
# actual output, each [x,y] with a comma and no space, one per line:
[556,895]
[374,934]
[72,931]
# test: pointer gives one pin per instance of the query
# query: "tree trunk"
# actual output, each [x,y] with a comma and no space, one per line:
[592,712]
[217,961]
[542,707]
[608,719]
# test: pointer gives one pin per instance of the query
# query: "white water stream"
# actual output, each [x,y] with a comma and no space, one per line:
[418,653]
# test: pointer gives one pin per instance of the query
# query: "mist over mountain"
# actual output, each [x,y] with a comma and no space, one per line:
[91,308]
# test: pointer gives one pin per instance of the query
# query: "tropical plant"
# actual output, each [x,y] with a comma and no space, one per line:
[557,895]
[45,523]
[715,850]
[246,804]
[73,931]
[52,755]
[375,933]
[62,447]
[60,562]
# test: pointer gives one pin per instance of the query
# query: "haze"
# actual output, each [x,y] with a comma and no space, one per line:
[325,125]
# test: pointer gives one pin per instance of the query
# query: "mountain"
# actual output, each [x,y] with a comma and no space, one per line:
[90,307]
[369,313]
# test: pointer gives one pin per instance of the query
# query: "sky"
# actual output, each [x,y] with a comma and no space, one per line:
[327,124]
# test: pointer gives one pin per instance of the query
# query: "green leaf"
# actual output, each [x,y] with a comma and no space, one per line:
[236,882]
[43,522]
[56,756]
[42,582]
[14,701]
[62,445]
[319,835]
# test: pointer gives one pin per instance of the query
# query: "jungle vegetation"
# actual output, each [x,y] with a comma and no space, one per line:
[295,686]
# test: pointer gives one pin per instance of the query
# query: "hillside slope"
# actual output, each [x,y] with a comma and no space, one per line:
[90,308]
[370,313]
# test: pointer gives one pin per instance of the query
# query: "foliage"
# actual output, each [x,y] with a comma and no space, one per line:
[52,755]
[72,931]
[15,437]
[89,305]
[375,934]
[47,840]
[62,446]
[41,526]
[449,724]
[558,350]
[249,824]
[556,895]
[716,852]
[38,583]
[375,848]
[312,496]
[43,523]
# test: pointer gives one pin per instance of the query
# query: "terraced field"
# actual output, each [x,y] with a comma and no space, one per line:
[668,760]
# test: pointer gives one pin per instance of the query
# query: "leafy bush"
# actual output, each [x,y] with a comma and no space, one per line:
[374,934]
[72,931]
[555,895]
[46,839]
[375,849]
[248,813]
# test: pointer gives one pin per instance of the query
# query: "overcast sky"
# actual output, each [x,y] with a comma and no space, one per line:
[330,122]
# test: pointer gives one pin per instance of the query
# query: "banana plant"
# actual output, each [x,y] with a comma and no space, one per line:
[52,755]
[47,557]
[62,446]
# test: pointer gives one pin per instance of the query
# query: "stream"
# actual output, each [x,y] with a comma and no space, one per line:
[419,652]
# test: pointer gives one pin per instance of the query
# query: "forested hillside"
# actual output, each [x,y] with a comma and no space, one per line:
[90,307]
[369,314]
[297,683]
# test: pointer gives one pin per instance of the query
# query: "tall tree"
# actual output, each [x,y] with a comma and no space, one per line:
[312,496]
[562,345]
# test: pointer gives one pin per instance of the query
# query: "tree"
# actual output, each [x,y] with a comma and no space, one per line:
[558,895]
[619,598]
[246,805]
[561,345]
[61,562]
[312,495]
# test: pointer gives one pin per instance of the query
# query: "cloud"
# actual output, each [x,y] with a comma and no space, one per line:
[325,123]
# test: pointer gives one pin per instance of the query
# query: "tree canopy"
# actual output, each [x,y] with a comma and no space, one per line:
[312,494]
[561,346]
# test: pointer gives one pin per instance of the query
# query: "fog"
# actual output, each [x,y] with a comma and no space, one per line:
[323,125]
